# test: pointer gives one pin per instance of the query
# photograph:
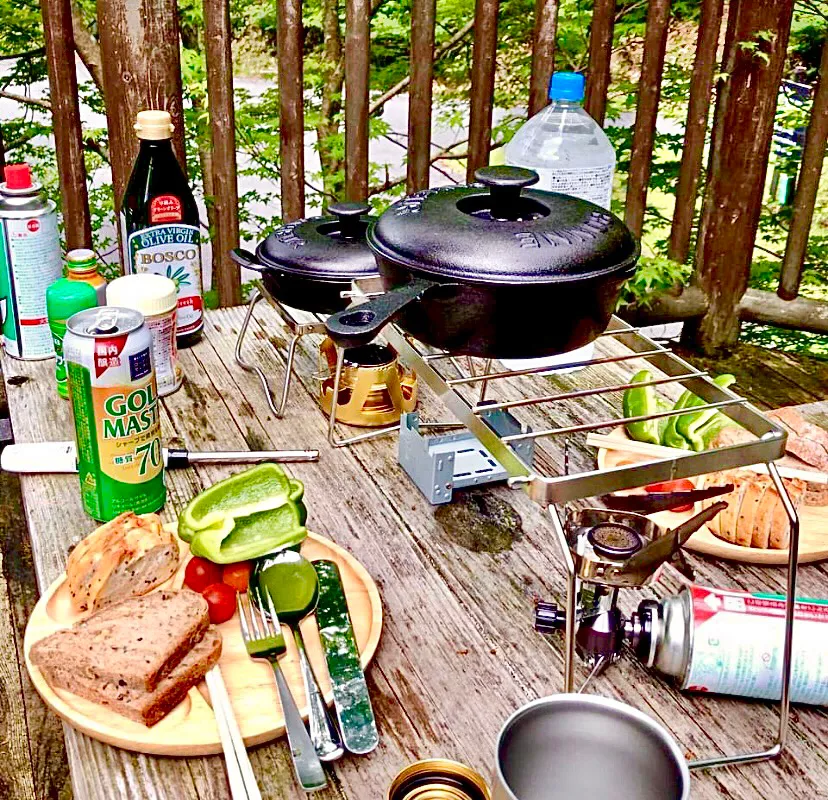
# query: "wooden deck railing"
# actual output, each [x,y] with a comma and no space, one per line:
[141,69]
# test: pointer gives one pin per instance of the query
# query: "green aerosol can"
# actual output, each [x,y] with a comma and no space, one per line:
[29,263]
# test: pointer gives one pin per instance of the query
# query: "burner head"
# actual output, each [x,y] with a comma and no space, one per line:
[374,388]
[614,540]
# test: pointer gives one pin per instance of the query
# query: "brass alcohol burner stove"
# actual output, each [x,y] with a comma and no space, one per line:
[374,388]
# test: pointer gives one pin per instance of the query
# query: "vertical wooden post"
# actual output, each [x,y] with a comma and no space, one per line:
[543,53]
[813,155]
[217,40]
[482,85]
[66,124]
[697,112]
[649,94]
[141,69]
[357,59]
[291,110]
[419,94]
[600,56]
[739,152]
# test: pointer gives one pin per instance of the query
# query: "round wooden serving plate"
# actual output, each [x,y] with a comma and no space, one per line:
[813,524]
[190,728]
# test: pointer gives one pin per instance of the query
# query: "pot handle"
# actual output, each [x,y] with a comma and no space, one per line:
[349,217]
[244,258]
[358,325]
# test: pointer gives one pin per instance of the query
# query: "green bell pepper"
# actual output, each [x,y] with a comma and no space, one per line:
[671,437]
[689,426]
[639,402]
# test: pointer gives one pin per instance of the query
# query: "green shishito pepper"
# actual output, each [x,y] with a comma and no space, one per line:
[639,402]
[699,427]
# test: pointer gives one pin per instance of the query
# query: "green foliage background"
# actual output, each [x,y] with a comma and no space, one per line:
[255,28]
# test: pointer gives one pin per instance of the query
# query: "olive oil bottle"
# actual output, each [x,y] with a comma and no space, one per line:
[159,222]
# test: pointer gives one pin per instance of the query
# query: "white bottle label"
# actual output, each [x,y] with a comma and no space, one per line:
[30,261]
[172,250]
[737,646]
[593,184]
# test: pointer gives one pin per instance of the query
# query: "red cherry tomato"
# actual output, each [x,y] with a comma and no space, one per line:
[221,601]
[680,485]
[237,575]
[200,573]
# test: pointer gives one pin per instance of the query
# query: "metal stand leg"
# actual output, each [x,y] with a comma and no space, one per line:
[787,651]
[278,409]
[571,595]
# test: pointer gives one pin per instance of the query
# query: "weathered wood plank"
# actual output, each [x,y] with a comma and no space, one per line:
[458,652]
[218,38]
[66,123]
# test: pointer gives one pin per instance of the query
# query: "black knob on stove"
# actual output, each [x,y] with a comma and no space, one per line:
[548,617]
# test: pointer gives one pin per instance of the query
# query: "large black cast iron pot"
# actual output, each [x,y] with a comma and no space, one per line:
[307,264]
[497,270]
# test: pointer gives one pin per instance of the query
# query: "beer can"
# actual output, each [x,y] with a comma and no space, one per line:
[725,642]
[438,779]
[29,263]
[108,354]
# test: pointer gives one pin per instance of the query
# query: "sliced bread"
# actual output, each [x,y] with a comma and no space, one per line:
[139,705]
[128,556]
[138,641]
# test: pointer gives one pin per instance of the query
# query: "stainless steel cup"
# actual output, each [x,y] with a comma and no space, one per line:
[579,747]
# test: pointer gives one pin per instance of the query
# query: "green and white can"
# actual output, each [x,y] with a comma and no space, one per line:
[64,298]
[108,354]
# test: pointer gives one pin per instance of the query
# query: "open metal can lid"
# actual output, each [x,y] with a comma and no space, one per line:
[438,779]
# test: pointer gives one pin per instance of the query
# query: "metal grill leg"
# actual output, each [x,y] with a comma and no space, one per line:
[276,407]
[787,652]
[571,593]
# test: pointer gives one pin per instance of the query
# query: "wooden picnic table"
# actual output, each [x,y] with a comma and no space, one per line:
[458,652]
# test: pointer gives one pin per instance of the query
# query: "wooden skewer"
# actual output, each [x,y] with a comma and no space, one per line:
[658,451]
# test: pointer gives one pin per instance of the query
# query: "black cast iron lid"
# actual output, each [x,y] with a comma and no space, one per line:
[498,231]
[329,248]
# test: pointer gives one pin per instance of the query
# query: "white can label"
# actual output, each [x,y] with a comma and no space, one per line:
[737,646]
[592,183]
[29,262]
[164,352]
[174,251]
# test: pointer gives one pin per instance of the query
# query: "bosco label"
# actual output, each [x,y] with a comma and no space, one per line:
[172,251]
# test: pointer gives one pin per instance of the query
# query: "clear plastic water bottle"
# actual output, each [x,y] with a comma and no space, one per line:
[565,146]
[573,156]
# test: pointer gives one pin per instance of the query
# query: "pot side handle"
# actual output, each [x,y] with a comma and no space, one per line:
[244,258]
[358,325]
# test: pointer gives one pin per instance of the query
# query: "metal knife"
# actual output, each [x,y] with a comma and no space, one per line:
[42,457]
[350,691]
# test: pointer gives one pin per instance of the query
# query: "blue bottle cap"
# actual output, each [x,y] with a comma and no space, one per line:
[566,86]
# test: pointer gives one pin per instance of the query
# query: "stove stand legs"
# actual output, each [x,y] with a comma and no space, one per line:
[787,657]
[787,653]
[277,407]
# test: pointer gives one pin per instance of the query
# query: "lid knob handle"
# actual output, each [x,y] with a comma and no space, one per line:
[348,214]
[505,185]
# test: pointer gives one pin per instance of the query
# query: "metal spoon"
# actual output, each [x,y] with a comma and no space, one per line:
[294,587]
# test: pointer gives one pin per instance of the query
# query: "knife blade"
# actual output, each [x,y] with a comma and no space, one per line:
[350,691]
[53,457]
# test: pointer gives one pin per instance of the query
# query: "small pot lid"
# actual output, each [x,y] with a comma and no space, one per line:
[499,231]
[332,247]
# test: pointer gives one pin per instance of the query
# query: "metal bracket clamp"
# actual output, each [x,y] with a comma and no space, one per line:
[440,464]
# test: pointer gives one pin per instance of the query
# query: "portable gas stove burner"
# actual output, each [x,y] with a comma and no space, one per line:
[374,388]
[614,540]
[361,387]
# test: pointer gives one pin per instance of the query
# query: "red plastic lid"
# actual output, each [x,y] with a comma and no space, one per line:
[18,176]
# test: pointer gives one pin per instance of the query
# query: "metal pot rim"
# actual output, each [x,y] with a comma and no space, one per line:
[596,701]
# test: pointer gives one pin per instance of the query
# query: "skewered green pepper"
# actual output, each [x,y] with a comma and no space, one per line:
[692,426]
[641,401]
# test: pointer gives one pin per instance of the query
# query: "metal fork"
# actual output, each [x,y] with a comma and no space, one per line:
[267,643]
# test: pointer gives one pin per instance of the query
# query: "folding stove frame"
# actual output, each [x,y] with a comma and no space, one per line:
[553,490]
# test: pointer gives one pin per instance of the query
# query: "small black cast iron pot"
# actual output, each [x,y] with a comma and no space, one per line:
[497,272]
[309,263]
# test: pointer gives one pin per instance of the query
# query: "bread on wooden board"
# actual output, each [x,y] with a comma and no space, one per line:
[755,516]
[128,556]
[137,704]
[806,441]
[137,641]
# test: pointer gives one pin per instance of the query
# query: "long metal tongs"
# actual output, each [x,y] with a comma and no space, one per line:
[653,502]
